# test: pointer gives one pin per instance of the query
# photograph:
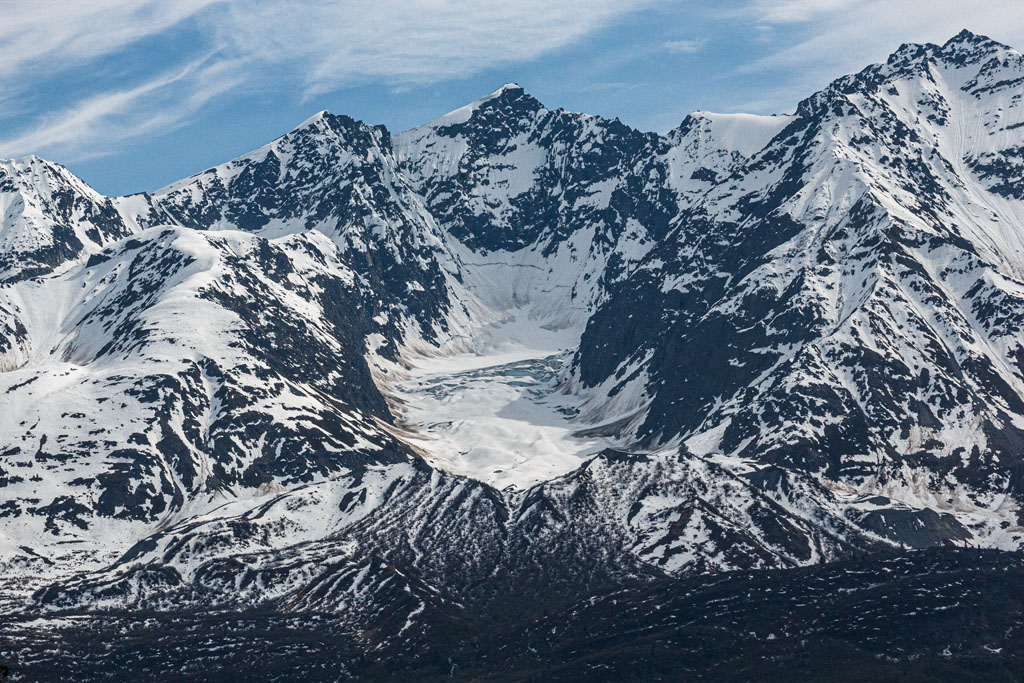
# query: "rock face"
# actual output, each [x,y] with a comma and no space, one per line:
[788,340]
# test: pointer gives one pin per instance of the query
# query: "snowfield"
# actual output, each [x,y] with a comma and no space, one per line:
[496,414]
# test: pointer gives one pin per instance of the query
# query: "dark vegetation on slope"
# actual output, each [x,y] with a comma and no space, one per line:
[933,615]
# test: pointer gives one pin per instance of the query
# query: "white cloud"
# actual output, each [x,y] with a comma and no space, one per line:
[796,11]
[684,47]
[764,33]
[403,42]
[320,44]
[44,35]
[88,128]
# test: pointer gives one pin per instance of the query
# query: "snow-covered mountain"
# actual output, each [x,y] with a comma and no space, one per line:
[392,376]
[50,217]
[848,304]
[338,177]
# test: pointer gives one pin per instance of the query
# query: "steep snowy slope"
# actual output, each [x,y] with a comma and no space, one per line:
[546,207]
[848,305]
[337,176]
[176,370]
[707,148]
[49,217]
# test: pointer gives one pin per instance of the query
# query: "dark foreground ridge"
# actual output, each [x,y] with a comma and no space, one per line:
[942,614]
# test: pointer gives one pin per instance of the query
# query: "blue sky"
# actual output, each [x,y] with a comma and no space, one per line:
[133,94]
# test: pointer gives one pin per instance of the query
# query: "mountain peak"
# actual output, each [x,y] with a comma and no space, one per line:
[968,37]
[508,94]
[24,162]
[963,49]
[317,120]
[915,60]
[319,116]
[323,125]
[734,132]
[508,87]
[324,119]
[34,171]
[970,48]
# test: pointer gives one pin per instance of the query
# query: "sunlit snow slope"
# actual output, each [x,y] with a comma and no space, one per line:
[495,414]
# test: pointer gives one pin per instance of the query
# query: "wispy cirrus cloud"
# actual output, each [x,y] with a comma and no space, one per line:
[404,42]
[684,47]
[320,45]
[839,32]
[86,129]
[43,35]
[795,11]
